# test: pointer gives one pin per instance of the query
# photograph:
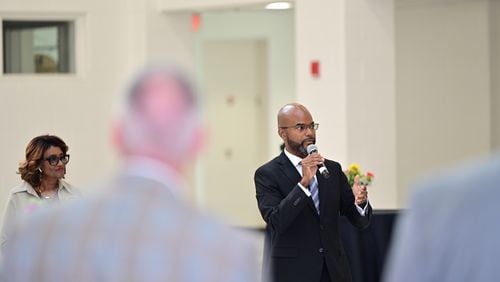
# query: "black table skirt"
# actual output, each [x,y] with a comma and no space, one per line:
[367,249]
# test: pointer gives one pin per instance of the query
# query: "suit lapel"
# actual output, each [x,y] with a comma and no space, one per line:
[288,169]
[291,172]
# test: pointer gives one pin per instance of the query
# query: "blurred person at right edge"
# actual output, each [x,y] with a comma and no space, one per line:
[302,207]
[140,228]
[451,229]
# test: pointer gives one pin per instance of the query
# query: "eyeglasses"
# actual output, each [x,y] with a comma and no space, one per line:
[302,127]
[54,160]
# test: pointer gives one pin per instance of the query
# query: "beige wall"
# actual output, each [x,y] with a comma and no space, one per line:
[273,32]
[76,106]
[199,5]
[353,99]
[407,84]
[320,33]
[494,35]
[406,87]
[371,108]
[113,39]
[276,29]
[443,86]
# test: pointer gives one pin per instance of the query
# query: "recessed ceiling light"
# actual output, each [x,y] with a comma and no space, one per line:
[278,6]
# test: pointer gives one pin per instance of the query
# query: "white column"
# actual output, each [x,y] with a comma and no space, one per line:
[371,98]
[321,36]
[353,98]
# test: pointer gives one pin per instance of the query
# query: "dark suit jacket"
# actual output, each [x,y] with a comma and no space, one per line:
[301,241]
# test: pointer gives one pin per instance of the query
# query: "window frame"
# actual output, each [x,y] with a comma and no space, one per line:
[76,38]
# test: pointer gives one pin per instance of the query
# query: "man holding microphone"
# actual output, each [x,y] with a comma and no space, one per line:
[300,196]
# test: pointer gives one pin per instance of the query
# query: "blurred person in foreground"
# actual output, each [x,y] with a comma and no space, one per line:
[302,207]
[451,228]
[141,228]
[42,185]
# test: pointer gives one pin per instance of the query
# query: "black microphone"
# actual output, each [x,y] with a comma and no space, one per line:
[321,167]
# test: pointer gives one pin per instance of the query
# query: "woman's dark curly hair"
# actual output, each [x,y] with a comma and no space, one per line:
[28,169]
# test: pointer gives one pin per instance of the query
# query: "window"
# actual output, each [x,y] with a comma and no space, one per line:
[38,47]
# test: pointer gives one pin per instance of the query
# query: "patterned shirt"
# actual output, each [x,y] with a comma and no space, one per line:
[136,231]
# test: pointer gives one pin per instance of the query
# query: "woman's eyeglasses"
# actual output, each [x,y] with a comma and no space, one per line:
[54,160]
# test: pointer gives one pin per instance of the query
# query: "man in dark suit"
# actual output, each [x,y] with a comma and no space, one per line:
[302,208]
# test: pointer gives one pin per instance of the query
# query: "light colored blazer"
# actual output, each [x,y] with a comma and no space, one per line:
[138,230]
[451,230]
[23,201]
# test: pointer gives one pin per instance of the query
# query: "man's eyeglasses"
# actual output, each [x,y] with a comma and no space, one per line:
[302,127]
[54,160]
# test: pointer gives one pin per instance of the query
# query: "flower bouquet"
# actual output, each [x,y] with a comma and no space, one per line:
[364,179]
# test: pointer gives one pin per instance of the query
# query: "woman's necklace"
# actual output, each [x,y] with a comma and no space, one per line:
[47,194]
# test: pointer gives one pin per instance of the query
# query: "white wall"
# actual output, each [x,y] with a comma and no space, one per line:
[494,14]
[113,40]
[276,29]
[199,5]
[371,109]
[443,86]
[274,32]
[353,99]
[75,107]
[442,52]
[320,34]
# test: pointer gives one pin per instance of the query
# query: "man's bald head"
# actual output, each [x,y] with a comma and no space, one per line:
[289,113]
[296,128]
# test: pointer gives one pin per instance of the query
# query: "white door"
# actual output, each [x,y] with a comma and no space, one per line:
[234,94]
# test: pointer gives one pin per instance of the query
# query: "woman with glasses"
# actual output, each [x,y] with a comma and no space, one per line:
[42,174]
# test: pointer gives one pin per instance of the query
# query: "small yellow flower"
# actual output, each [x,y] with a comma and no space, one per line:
[354,168]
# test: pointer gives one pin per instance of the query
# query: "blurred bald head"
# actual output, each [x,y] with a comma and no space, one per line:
[161,116]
